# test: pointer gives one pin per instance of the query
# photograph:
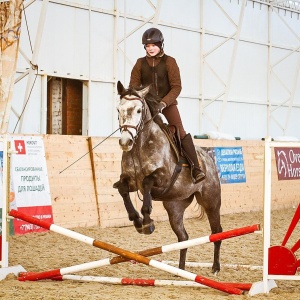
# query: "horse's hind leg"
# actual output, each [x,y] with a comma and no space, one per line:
[213,215]
[133,215]
[175,210]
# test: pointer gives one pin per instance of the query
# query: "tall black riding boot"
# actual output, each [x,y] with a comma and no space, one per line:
[188,146]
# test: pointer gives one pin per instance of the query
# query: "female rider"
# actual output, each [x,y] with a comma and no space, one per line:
[162,72]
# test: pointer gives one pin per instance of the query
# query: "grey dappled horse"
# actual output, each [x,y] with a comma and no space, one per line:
[148,164]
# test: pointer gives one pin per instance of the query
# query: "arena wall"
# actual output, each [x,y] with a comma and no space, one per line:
[82,194]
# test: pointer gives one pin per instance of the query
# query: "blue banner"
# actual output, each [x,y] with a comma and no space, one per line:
[230,164]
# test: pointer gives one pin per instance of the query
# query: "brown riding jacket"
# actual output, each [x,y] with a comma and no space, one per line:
[173,76]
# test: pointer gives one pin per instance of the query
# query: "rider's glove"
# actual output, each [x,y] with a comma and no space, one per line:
[161,106]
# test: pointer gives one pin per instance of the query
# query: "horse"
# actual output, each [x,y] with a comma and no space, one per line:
[150,166]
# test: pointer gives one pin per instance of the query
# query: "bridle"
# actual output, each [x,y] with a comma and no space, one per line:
[141,125]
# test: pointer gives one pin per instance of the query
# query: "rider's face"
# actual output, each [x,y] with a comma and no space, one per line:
[152,49]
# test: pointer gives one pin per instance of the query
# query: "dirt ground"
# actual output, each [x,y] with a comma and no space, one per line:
[46,251]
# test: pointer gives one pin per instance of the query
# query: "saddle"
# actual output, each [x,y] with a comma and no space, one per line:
[172,133]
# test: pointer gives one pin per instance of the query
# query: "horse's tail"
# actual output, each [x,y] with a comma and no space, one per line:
[199,209]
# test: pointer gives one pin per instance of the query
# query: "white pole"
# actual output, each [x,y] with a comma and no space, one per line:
[267,211]
[209,265]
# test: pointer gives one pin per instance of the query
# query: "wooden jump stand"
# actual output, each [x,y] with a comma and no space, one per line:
[279,262]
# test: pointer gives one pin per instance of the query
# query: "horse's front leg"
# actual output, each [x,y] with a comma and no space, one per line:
[123,188]
[148,223]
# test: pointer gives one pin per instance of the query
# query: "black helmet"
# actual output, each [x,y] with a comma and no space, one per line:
[152,36]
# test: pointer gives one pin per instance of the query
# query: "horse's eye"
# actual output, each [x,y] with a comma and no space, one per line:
[139,111]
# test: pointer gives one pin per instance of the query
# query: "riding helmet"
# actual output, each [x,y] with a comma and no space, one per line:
[152,36]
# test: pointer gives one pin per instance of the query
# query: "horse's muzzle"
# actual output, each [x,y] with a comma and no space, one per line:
[125,144]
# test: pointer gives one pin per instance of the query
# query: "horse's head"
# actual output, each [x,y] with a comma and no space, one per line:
[132,113]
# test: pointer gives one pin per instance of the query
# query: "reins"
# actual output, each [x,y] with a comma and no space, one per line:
[138,130]
[88,151]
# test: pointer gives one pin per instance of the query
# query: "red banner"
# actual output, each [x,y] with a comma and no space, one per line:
[40,212]
[288,163]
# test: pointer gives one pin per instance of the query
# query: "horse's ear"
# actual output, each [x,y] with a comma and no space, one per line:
[142,93]
[120,88]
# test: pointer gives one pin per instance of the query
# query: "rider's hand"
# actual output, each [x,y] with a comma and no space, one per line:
[161,106]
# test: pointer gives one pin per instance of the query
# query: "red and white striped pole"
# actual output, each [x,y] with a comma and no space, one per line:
[122,252]
[146,282]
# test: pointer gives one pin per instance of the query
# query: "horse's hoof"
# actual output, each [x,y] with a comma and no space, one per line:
[148,228]
[139,229]
[138,224]
[215,270]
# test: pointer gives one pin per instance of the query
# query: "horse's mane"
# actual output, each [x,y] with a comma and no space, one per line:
[153,101]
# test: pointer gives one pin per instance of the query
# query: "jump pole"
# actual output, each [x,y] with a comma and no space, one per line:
[126,254]
[148,252]
[145,282]
[34,276]
[193,264]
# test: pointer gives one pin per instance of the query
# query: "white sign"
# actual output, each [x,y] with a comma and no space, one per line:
[29,178]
